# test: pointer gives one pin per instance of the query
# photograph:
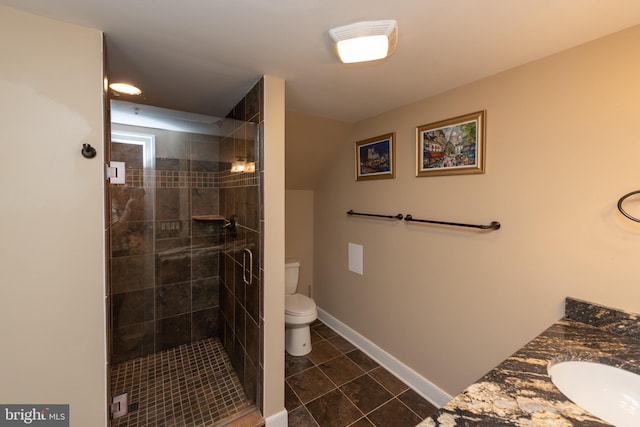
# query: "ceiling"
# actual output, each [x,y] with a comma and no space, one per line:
[202,56]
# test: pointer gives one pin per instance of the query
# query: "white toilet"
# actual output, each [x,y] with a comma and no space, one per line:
[299,312]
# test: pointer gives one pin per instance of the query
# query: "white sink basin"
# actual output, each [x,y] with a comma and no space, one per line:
[609,393]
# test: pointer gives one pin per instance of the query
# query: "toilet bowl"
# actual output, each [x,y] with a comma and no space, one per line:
[299,312]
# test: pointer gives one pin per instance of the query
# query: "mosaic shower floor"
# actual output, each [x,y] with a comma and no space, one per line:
[193,385]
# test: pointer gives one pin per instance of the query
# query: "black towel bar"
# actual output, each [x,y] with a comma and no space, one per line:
[399,216]
[493,226]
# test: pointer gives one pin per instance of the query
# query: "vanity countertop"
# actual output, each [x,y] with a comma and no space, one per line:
[519,392]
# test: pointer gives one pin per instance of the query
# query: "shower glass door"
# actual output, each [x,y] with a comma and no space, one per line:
[184,333]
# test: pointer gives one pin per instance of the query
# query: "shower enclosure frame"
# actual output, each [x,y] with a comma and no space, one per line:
[240,306]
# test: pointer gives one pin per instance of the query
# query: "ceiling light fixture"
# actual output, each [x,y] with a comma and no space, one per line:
[125,88]
[365,41]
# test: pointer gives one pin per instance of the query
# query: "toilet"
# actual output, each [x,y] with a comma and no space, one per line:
[299,312]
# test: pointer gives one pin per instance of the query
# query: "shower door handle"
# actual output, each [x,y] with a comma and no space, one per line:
[246,253]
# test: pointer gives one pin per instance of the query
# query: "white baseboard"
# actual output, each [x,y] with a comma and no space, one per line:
[419,384]
[277,420]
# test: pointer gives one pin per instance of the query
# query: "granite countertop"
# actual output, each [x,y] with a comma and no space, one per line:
[519,392]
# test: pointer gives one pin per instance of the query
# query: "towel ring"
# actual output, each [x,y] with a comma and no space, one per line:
[622,211]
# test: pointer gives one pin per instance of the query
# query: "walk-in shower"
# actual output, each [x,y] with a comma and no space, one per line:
[184,264]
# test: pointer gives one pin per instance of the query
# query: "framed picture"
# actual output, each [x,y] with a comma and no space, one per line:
[451,147]
[375,158]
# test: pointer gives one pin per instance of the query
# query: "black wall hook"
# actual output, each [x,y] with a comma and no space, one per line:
[88,151]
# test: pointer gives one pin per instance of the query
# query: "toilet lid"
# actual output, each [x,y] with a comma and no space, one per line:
[298,304]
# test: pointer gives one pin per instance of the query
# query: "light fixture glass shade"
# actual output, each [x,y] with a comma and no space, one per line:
[365,41]
[238,166]
[362,49]
[125,88]
[241,165]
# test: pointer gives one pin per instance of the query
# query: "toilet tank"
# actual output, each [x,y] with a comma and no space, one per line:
[291,272]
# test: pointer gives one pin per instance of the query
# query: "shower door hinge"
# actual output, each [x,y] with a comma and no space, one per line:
[119,406]
[114,172]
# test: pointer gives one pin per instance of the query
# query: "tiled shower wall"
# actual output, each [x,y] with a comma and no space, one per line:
[164,265]
[241,197]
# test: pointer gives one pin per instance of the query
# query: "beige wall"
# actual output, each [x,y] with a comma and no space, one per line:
[52,295]
[299,235]
[562,147]
[312,143]
[274,207]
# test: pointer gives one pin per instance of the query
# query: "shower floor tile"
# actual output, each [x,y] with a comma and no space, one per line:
[193,385]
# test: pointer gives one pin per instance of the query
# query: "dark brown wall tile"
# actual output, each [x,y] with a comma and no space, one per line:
[250,380]
[252,340]
[173,267]
[132,273]
[205,293]
[227,305]
[205,262]
[204,323]
[240,323]
[130,308]
[204,201]
[173,331]
[132,238]
[167,203]
[173,299]
[237,357]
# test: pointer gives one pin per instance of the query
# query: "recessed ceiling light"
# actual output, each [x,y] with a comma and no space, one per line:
[365,41]
[125,88]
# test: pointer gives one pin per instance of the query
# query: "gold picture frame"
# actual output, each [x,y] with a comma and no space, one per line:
[451,147]
[376,157]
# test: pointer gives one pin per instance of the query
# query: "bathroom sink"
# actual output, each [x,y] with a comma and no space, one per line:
[609,393]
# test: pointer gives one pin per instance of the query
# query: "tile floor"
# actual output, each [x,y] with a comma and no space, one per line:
[337,385]
[187,386]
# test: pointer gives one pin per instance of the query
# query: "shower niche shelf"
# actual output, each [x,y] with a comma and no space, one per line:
[208,218]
